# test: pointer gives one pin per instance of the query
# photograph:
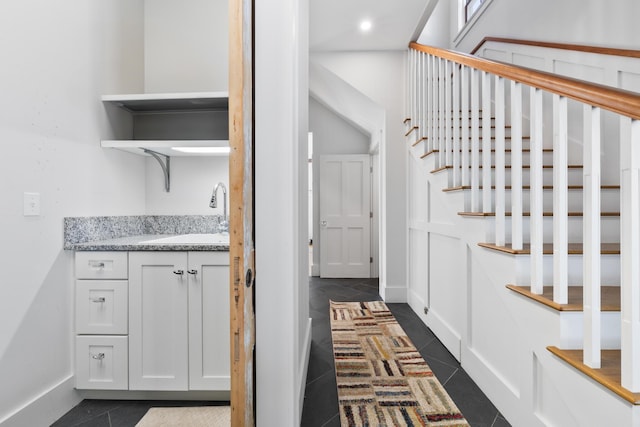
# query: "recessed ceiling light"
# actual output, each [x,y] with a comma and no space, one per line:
[203,150]
[365,25]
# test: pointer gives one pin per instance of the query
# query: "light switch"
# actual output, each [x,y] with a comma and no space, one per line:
[31,204]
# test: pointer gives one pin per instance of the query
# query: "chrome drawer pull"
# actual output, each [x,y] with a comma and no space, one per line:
[98,356]
[178,272]
[97,300]
[192,271]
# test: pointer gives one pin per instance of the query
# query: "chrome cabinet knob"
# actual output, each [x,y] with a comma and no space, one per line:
[98,300]
[192,271]
[178,272]
[98,356]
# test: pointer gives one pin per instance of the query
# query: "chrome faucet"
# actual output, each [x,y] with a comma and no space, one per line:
[224,225]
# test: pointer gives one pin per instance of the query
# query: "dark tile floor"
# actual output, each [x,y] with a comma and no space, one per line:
[117,413]
[321,401]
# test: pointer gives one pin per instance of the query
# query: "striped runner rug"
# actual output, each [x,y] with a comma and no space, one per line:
[382,379]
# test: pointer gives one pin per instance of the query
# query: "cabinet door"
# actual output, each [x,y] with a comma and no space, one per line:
[209,321]
[158,323]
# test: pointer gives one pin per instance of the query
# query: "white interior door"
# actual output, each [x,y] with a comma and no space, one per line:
[345,219]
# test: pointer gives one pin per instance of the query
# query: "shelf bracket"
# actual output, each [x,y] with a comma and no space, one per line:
[165,165]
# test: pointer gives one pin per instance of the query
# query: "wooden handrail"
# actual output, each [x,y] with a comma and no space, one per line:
[564,46]
[619,101]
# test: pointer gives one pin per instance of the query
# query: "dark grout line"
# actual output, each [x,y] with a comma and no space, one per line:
[450,376]
[330,371]
[495,419]
[331,419]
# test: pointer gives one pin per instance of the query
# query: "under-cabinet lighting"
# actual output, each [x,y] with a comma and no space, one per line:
[203,150]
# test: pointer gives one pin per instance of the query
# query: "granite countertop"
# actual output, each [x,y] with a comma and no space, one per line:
[145,242]
[146,233]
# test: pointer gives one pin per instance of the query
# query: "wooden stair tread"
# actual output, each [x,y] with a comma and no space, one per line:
[424,138]
[609,297]
[609,375]
[490,214]
[411,130]
[528,187]
[547,248]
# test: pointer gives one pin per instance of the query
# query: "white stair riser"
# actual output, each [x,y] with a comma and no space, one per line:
[574,176]
[572,330]
[547,158]
[609,229]
[610,265]
[609,200]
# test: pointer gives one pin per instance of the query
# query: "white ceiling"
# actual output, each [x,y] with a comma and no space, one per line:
[334,24]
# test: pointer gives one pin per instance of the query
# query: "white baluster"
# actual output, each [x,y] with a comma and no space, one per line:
[416,134]
[423,101]
[456,125]
[441,113]
[464,123]
[560,203]
[516,166]
[436,105]
[536,185]
[448,117]
[429,101]
[486,142]
[630,252]
[500,162]
[411,82]
[475,141]
[591,230]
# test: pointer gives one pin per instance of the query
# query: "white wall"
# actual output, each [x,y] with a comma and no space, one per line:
[437,31]
[380,76]
[281,219]
[192,182]
[331,135]
[590,22]
[58,58]
[186,45]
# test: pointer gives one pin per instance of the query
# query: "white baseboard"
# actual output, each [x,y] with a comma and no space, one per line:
[47,407]
[445,333]
[304,366]
[315,270]
[393,294]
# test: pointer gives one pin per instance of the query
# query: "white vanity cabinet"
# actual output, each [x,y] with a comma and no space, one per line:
[179,321]
[152,321]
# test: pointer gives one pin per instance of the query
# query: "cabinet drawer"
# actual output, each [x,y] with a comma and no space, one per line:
[101,362]
[102,307]
[101,265]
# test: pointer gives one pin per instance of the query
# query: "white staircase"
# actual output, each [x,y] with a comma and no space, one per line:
[533,280]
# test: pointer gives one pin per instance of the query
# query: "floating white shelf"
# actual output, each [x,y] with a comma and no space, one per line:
[166,147]
[184,101]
